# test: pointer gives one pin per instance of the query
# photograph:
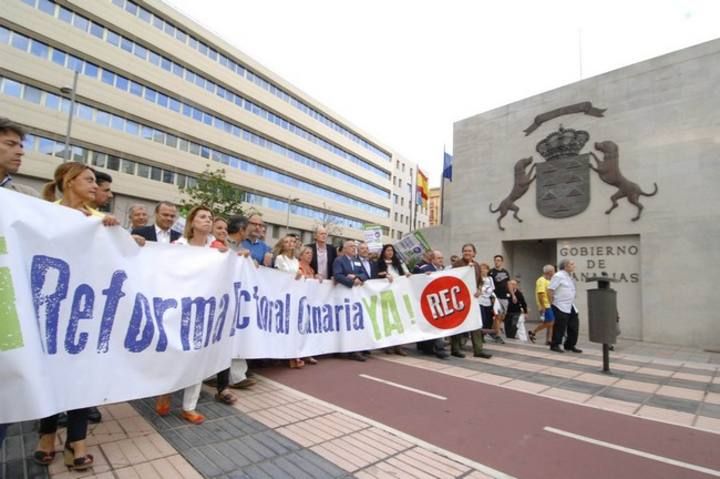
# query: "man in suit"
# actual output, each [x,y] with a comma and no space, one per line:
[104,193]
[165,216]
[323,254]
[433,261]
[368,264]
[348,271]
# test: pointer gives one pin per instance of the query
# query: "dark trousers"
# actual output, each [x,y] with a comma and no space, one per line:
[486,314]
[431,346]
[223,380]
[76,425]
[477,341]
[510,323]
[565,323]
[3,430]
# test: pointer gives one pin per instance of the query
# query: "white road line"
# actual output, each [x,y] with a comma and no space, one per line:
[400,386]
[635,452]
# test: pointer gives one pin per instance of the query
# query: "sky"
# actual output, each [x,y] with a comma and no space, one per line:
[404,71]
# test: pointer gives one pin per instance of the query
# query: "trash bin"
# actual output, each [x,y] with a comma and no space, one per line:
[602,315]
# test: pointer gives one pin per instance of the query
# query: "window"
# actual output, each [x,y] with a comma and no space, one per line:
[47,146]
[396,216]
[168,177]
[144,15]
[65,15]
[91,70]
[113,163]
[128,166]
[117,123]
[136,89]
[47,7]
[402,201]
[102,118]
[143,170]
[140,51]
[74,63]
[154,58]
[20,42]
[58,57]
[32,94]
[11,88]
[52,101]
[78,154]
[84,112]
[81,23]
[113,38]
[39,49]
[121,83]
[155,173]
[132,128]
[99,159]
[107,77]
[126,45]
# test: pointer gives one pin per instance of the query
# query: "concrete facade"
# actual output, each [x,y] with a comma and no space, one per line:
[663,115]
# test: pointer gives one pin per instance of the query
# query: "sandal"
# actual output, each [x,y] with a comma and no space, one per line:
[226,397]
[162,405]
[77,463]
[193,417]
[311,360]
[43,458]
[531,335]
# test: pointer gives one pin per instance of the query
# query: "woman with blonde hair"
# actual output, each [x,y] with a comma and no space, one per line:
[198,226]
[76,182]
[220,230]
[307,271]
[285,260]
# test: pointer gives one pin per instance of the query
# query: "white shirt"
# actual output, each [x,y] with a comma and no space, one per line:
[563,288]
[289,265]
[163,236]
[183,240]
[486,291]
[321,261]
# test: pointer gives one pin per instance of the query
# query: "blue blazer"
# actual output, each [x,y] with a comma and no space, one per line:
[344,266]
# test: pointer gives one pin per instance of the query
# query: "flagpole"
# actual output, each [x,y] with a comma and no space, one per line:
[442,190]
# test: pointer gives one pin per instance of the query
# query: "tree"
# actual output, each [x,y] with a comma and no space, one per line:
[330,223]
[215,192]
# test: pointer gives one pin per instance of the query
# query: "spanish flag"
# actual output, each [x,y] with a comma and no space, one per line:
[423,188]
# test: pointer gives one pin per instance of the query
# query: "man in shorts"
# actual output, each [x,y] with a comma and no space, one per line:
[543,304]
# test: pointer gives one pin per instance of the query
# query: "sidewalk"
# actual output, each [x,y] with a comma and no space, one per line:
[277,432]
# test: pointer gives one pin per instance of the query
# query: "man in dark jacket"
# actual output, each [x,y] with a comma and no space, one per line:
[433,261]
[165,216]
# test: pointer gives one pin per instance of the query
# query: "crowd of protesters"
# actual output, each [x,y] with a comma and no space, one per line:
[81,188]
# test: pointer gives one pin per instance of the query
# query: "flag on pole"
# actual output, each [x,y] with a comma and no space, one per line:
[423,188]
[447,165]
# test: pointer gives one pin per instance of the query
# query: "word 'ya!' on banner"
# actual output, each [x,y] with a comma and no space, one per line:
[90,316]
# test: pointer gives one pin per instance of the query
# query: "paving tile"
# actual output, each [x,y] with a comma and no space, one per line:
[625,394]
[599,378]
[636,385]
[490,379]
[711,410]
[684,383]
[435,464]
[712,398]
[681,393]
[676,404]
[573,396]
[561,372]
[655,372]
[613,405]
[708,423]
[525,386]
[582,386]
[666,415]
[703,378]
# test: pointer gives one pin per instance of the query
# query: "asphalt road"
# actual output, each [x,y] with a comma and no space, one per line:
[523,435]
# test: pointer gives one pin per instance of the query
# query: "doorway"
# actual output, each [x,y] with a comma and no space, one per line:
[525,261]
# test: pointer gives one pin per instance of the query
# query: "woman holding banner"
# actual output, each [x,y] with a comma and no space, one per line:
[285,260]
[77,184]
[390,266]
[198,226]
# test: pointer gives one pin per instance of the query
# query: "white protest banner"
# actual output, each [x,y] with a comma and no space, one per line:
[88,318]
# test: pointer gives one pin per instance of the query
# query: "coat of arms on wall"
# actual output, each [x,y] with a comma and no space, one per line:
[563,179]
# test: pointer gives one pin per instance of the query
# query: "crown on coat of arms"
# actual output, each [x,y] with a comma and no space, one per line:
[563,143]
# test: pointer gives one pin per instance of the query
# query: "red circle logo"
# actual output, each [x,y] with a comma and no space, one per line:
[445,302]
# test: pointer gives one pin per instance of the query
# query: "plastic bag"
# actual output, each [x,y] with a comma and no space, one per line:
[521,331]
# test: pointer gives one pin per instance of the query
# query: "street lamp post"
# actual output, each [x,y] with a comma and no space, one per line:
[71,91]
[290,200]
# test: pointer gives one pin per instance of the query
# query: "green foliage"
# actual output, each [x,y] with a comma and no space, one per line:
[215,192]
